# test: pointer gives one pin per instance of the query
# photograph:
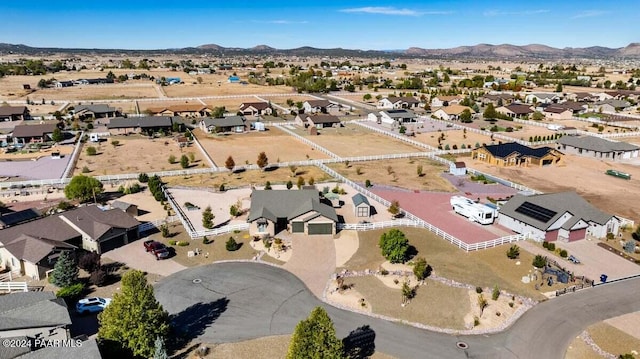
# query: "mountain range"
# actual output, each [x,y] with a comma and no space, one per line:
[480,51]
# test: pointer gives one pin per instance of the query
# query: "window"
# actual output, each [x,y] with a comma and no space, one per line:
[262,226]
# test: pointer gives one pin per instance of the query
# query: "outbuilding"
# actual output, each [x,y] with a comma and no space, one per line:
[361,206]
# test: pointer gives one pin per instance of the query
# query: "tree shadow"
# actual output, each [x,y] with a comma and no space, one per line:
[360,343]
[412,252]
[193,321]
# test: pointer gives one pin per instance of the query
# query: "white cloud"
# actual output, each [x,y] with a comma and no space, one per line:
[589,13]
[514,13]
[384,10]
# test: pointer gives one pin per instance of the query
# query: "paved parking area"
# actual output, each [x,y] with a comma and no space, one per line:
[594,260]
[43,168]
[134,256]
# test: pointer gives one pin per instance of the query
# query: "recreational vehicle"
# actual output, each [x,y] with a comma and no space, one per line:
[476,212]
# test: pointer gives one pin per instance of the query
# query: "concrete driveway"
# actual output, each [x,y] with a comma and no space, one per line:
[313,260]
[230,302]
[134,256]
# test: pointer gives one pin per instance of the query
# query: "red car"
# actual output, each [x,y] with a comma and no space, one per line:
[157,249]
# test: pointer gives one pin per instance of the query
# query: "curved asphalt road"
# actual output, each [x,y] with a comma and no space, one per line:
[241,301]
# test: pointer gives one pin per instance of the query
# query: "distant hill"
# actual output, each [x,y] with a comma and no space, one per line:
[480,51]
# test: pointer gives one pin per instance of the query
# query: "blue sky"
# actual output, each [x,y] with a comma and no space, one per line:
[378,25]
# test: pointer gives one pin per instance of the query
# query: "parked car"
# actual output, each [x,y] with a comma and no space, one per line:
[92,305]
[573,259]
[157,249]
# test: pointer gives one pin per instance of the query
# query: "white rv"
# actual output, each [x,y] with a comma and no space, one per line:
[476,212]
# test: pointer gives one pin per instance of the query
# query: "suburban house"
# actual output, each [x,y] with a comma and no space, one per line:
[563,216]
[185,110]
[147,124]
[596,147]
[14,113]
[391,102]
[515,110]
[361,206]
[608,106]
[555,112]
[96,81]
[317,121]
[95,111]
[32,248]
[255,108]
[235,124]
[61,84]
[441,101]
[458,168]
[500,99]
[515,154]
[543,97]
[87,349]
[34,315]
[393,118]
[15,218]
[451,112]
[33,133]
[299,211]
[320,106]
[582,97]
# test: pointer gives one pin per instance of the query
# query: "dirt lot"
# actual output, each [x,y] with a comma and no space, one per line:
[353,140]
[96,92]
[404,173]
[454,137]
[246,178]
[217,85]
[230,104]
[146,156]
[43,110]
[583,175]
[245,147]
[484,268]
[144,105]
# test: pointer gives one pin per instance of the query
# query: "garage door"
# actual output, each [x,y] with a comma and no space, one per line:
[297,227]
[320,228]
[112,244]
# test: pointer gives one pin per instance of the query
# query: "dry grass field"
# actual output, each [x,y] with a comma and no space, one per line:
[585,176]
[454,137]
[245,147]
[42,110]
[96,92]
[404,173]
[145,105]
[230,104]
[135,154]
[484,268]
[353,140]
[17,156]
[578,349]
[217,85]
[246,178]
[613,340]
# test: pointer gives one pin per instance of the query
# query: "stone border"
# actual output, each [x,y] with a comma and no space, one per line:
[527,303]
[586,338]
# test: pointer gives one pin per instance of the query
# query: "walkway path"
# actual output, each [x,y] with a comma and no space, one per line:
[313,260]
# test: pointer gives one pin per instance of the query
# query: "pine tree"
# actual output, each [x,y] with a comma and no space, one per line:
[315,338]
[134,319]
[160,351]
[65,272]
[207,218]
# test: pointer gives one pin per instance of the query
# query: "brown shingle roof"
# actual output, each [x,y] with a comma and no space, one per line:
[318,103]
[12,110]
[34,249]
[33,130]
[96,222]
[256,105]
[323,119]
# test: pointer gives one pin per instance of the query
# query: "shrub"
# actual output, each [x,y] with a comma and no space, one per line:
[172,159]
[513,252]
[71,293]
[164,230]
[143,178]
[551,246]
[184,161]
[629,246]
[495,294]
[267,185]
[421,269]
[511,304]
[85,169]
[545,244]
[91,151]
[478,290]
[476,321]
[98,278]
[90,262]
[563,253]
[221,188]
[234,211]
[539,261]
[384,271]
[289,184]
[172,243]
[182,243]
[205,240]
[232,245]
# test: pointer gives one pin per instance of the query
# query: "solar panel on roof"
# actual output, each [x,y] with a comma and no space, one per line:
[536,212]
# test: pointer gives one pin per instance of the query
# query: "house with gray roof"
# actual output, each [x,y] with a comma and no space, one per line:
[596,147]
[320,106]
[34,315]
[83,350]
[33,133]
[14,113]
[146,124]
[95,111]
[298,211]
[32,248]
[237,124]
[561,216]
[393,118]
[317,121]
[256,108]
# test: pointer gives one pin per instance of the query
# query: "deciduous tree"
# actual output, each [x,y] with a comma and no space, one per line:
[394,246]
[83,188]
[263,161]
